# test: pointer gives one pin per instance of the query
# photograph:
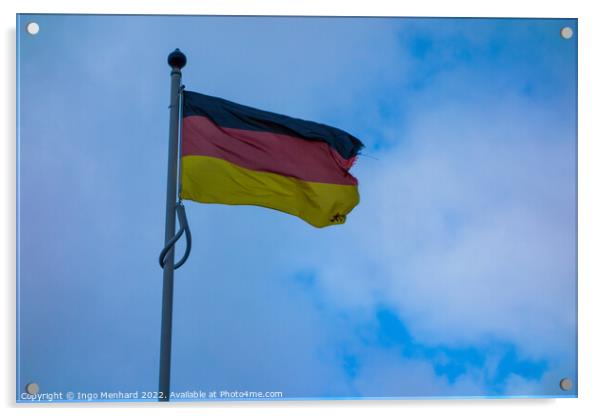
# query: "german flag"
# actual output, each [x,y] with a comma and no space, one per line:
[238,155]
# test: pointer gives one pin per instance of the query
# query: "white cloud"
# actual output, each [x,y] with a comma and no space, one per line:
[473,221]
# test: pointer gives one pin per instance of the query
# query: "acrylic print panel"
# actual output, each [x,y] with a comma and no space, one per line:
[454,276]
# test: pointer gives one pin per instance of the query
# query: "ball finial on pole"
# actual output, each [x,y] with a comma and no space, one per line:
[176,59]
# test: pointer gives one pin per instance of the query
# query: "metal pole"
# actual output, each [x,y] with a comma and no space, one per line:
[176,60]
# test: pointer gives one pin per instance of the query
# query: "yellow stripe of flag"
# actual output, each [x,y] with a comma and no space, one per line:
[213,180]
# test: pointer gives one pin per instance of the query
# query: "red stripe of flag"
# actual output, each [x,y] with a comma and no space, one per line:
[313,161]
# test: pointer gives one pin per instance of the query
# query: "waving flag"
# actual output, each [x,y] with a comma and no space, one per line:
[238,155]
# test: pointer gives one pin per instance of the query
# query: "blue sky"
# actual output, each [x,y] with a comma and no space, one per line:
[455,276]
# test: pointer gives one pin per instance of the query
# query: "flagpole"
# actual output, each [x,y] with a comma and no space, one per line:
[177,61]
